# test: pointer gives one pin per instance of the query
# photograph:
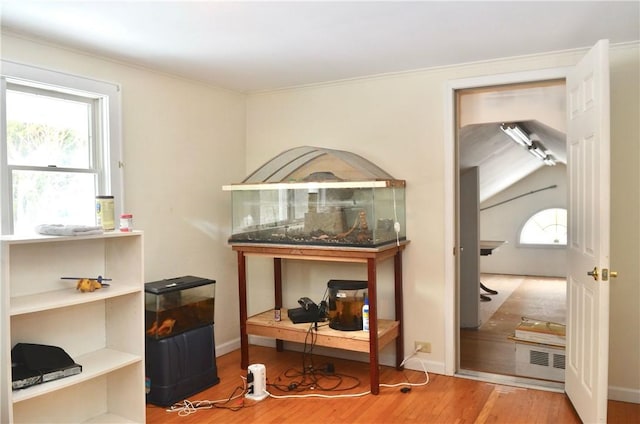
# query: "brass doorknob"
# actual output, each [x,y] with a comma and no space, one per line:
[606,274]
[594,273]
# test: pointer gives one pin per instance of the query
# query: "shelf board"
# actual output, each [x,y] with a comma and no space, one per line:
[264,325]
[94,364]
[41,238]
[66,297]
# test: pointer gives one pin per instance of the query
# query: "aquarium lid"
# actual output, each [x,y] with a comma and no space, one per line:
[347,284]
[314,185]
[175,284]
[307,164]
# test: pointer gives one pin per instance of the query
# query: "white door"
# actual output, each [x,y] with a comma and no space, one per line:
[587,353]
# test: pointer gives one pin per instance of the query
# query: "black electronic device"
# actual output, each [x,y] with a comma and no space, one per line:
[307,304]
[309,311]
[33,364]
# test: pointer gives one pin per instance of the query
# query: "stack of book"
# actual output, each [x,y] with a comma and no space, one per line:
[544,332]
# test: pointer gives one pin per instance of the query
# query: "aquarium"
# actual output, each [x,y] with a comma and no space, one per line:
[346,299]
[316,196]
[175,305]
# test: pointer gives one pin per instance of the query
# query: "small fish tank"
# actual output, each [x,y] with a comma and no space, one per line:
[346,299]
[176,305]
[316,196]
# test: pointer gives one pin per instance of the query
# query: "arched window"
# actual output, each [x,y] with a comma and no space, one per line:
[547,227]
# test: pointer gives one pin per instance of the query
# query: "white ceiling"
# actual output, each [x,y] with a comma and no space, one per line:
[263,45]
[252,46]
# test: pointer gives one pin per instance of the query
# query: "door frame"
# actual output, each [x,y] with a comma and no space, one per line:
[451,193]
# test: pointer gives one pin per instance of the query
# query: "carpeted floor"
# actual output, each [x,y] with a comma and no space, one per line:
[488,349]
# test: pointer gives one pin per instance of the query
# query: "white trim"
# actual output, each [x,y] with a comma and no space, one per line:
[308,186]
[508,380]
[624,394]
[451,319]
[5,183]
[228,347]
[54,79]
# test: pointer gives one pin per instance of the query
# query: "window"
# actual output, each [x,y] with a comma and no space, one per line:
[547,227]
[60,147]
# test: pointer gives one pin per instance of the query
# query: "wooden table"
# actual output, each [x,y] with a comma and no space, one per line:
[381,332]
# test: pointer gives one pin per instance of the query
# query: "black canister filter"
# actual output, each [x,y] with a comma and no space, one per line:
[346,298]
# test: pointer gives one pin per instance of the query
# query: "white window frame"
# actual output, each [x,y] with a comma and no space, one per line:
[109,151]
[539,245]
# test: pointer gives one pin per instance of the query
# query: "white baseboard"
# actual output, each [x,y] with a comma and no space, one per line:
[228,347]
[434,367]
[624,394]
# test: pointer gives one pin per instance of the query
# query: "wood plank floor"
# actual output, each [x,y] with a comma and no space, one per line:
[443,400]
[488,348]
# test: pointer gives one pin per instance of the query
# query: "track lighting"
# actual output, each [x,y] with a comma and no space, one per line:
[534,146]
[517,134]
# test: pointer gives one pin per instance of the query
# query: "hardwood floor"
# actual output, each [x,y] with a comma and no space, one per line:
[488,348]
[443,400]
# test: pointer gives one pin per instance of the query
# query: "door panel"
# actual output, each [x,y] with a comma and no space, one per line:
[586,377]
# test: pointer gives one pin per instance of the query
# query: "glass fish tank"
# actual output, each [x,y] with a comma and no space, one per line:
[346,299]
[317,196]
[176,305]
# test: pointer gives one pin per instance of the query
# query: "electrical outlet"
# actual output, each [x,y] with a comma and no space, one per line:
[424,347]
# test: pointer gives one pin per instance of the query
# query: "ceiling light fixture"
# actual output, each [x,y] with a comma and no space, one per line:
[517,134]
[529,141]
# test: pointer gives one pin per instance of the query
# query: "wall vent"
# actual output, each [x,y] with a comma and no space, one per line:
[558,361]
[538,358]
[540,361]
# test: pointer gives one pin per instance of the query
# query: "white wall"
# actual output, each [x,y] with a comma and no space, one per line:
[624,342]
[504,222]
[396,121]
[182,141]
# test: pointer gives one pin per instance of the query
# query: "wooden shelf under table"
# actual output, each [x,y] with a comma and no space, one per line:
[264,325]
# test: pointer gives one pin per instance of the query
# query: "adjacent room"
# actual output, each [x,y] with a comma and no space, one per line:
[230,211]
[513,199]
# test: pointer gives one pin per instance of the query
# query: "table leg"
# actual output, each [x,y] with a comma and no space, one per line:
[487,289]
[242,296]
[373,326]
[397,271]
[277,286]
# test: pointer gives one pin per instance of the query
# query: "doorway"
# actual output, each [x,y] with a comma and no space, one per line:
[515,281]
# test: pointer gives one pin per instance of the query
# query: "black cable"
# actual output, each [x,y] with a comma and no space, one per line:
[310,376]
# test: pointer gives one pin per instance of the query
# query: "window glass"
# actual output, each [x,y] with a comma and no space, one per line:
[52,198]
[44,129]
[547,227]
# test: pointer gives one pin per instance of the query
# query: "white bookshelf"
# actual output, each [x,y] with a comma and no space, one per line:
[103,330]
